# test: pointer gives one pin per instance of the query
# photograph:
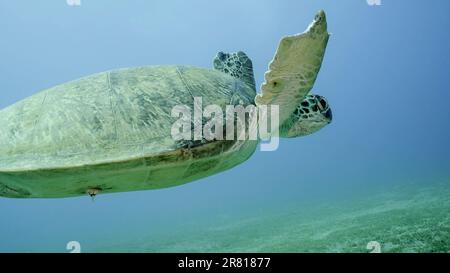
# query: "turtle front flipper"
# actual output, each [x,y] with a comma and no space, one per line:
[237,65]
[294,68]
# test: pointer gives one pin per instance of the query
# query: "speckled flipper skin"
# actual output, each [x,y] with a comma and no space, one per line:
[237,65]
[294,68]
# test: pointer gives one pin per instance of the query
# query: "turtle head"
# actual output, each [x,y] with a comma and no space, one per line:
[311,115]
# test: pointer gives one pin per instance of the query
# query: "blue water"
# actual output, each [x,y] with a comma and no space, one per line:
[386,153]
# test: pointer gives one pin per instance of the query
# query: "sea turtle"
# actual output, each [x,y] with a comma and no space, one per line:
[111,131]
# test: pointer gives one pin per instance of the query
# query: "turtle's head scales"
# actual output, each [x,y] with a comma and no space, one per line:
[311,115]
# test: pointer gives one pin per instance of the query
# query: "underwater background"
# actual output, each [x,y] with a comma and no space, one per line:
[379,172]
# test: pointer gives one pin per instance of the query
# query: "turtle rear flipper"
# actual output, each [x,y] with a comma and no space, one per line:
[237,65]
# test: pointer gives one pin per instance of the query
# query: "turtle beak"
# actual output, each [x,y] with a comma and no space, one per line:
[328,115]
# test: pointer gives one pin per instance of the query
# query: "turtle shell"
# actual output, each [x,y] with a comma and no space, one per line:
[111,131]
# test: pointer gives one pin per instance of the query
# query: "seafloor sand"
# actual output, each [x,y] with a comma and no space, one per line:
[408,218]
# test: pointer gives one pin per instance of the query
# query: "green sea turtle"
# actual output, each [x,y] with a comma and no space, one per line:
[111,132]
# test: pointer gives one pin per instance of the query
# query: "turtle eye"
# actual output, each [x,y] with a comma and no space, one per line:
[323,104]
